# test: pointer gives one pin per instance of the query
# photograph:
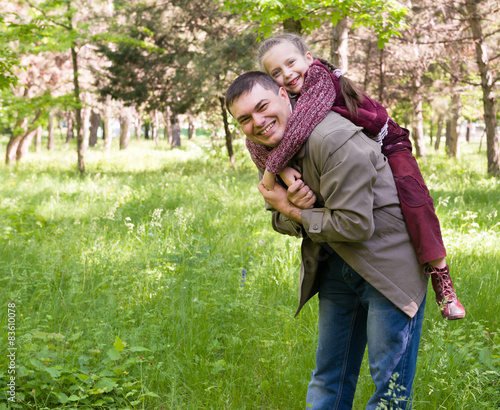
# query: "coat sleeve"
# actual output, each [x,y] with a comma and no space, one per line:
[347,177]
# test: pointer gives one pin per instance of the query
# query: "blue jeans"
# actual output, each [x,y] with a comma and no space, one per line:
[353,314]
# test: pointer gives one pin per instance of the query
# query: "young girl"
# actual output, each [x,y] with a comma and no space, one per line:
[319,88]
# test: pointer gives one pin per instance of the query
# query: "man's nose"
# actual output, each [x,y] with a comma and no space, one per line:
[258,119]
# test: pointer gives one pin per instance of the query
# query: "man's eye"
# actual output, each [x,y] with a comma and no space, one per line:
[244,121]
[263,107]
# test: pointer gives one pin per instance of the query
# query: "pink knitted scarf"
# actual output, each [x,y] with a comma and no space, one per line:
[320,94]
[316,100]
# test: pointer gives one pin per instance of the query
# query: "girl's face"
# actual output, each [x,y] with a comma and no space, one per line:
[287,65]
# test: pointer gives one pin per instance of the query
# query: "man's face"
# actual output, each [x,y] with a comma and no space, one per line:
[262,114]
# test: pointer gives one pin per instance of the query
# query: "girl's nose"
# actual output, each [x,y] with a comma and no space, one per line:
[287,72]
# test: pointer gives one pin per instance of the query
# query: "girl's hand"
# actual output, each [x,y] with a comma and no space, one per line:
[268,180]
[289,175]
[301,195]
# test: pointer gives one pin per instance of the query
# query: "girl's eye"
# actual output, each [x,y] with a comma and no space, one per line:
[291,62]
[275,73]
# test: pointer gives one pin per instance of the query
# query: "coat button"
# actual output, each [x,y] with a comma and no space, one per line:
[315,227]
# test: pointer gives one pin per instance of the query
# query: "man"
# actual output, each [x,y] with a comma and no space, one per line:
[356,252]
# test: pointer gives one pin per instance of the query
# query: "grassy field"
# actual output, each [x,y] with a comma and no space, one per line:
[156,281]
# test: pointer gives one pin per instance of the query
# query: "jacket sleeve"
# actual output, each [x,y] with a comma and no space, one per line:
[347,177]
[286,226]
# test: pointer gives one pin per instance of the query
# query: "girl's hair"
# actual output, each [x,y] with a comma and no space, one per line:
[351,93]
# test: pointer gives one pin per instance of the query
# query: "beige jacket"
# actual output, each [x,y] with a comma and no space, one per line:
[357,213]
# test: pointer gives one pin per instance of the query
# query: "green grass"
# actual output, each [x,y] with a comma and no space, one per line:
[129,290]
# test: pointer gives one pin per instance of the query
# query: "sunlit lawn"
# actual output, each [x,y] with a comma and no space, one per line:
[156,281]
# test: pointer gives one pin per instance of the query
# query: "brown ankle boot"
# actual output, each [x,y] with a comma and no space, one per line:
[446,298]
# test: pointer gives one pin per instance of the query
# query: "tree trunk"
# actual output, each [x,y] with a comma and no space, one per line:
[137,125]
[59,127]
[487,85]
[467,131]
[176,131]
[85,128]
[191,128]
[431,130]
[381,71]
[156,127]
[95,120]
[106,130]
[10,154]
[70,132]
[339,47]
[14,144]
[418,120]
[168,124]
[229,140]
[367,75]
[50,142]
[24,144]
[454,126]
[439,132]
[80,141]
[124,128]
[38,139]
[292,26]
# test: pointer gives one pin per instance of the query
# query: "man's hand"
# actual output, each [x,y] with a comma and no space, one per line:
[301,195]
[277,198]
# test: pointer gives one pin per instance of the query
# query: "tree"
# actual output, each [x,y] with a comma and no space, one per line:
[149,54]
[226,54]
[13,32]
[69,29]
[385,17]
[180,56]
[475,18]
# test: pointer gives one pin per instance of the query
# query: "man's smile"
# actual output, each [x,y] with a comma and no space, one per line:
[267,128]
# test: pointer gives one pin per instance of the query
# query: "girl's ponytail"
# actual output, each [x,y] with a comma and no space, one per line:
[352,94]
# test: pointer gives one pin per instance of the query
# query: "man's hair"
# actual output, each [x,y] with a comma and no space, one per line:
[246,82]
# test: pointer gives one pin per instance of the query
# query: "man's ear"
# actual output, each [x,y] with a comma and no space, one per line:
[283,94]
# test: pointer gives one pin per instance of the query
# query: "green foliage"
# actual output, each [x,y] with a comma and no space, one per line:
[14,108]
[157,280]
[14,35]
[385,17]
[173,54]
[395,396]
[50,378]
